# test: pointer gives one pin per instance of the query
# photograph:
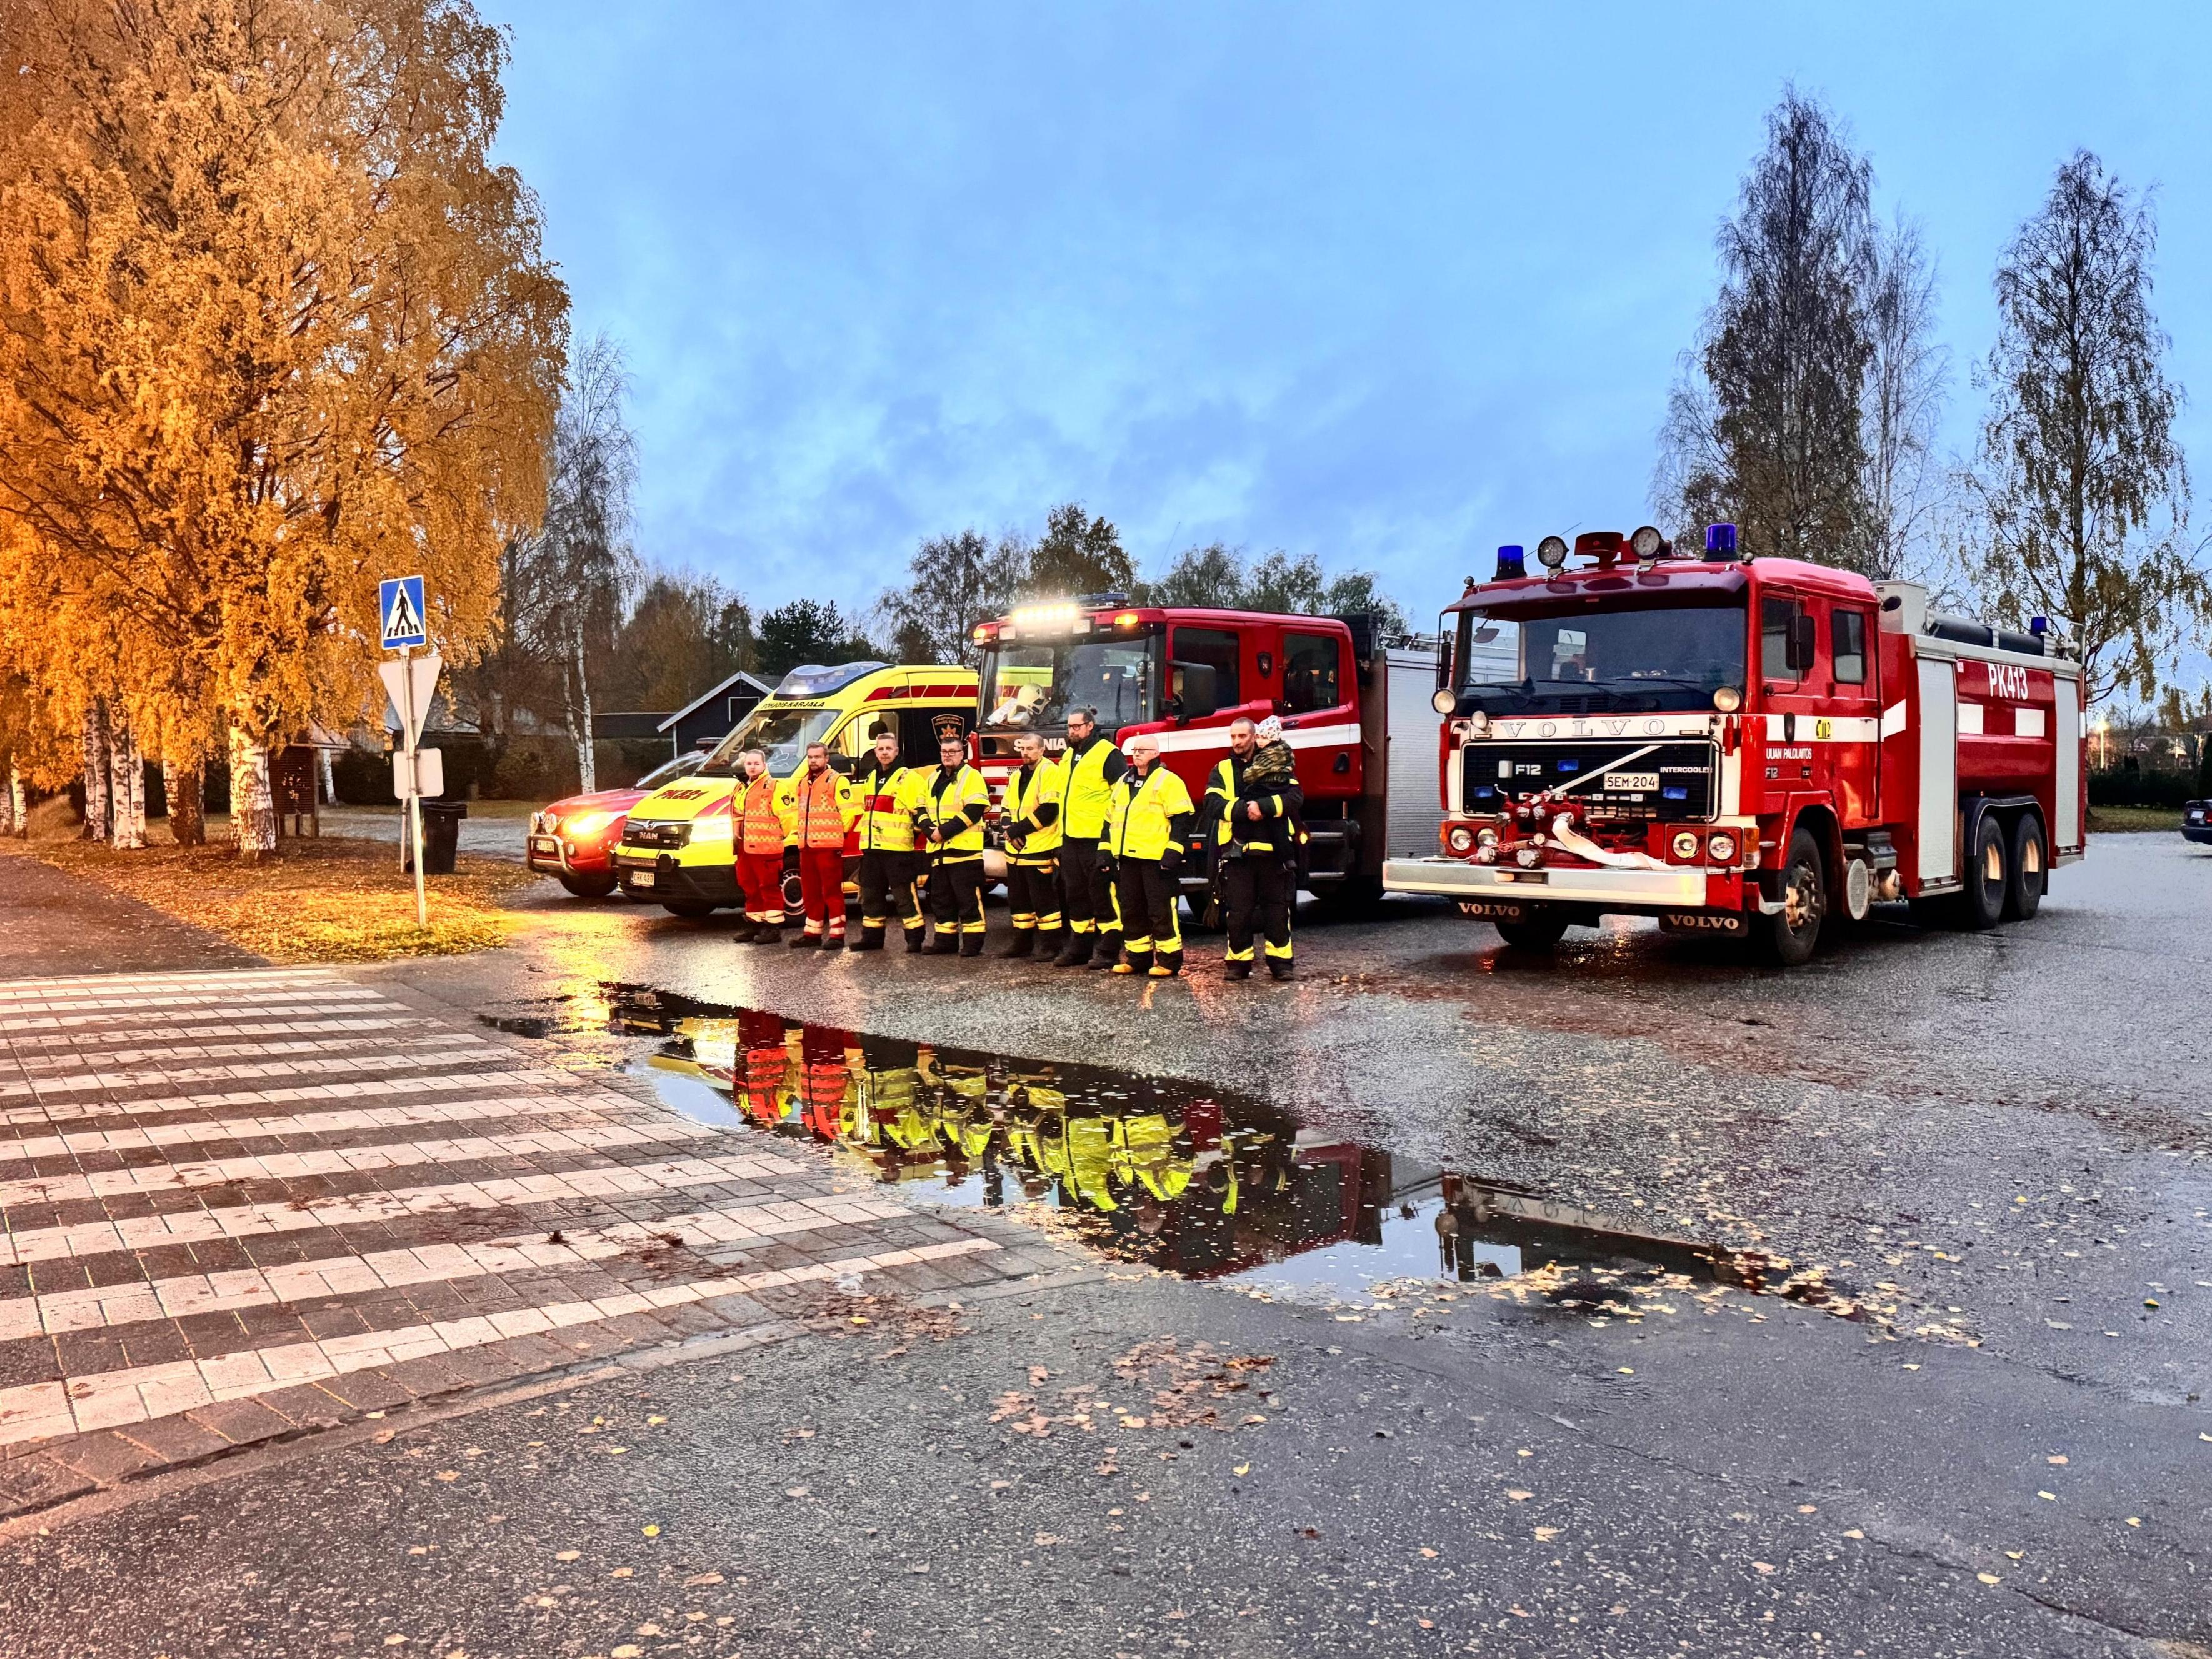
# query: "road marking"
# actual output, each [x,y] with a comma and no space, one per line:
[125,1082]
[30,1045]
[272,1046]
[361,1089]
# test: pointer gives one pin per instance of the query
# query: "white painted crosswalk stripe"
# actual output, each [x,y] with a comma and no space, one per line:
[127,1081]
[365,1088]
[270,1046]
[36,1047]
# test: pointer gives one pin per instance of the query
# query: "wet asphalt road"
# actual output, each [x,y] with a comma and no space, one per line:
[2009,1129]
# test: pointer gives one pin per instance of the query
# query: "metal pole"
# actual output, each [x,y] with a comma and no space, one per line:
[413,830]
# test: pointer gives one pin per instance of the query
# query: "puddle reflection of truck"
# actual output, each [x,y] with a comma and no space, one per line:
[1355,709]
[1748,750]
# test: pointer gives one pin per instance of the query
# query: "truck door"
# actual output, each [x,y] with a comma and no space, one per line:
[1853,738]
[1205,681]
[1320,717]
[1789,651]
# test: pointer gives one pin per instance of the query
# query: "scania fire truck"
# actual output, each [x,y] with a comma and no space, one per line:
[1753,749]
[1356,710]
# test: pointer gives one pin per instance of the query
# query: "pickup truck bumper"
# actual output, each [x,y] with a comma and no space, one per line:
[1607,889]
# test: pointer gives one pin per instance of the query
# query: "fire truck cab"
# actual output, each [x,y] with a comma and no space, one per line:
[1355,711]
[1755,749]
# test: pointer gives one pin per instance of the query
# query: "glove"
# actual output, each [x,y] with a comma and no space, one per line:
[1171,860]
[1109,863]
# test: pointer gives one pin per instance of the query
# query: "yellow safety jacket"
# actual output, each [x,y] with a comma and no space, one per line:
[1031,806]
[956,803]
[887,802]
[1088,775]
[1224,811]
[1145,1151]
[1146,815]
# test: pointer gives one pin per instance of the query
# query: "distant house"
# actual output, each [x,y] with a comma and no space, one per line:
[616,725]
[709,720]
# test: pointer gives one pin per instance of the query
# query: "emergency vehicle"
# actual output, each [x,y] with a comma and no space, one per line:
[1355,710]
[1758,750]
[676,847]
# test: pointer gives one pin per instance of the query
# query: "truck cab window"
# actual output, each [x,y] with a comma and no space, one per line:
[1847,646]
[1213,648]
[1778,633]
[1310,672]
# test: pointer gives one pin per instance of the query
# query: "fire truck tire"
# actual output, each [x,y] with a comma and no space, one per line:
[1793,933]
[1538,931]
[1989,876]
[589,886]
[2030,869]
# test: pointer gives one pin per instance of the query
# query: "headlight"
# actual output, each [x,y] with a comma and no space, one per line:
[1686,846]
[1479,722]
[1647,543]
[1728,700]
[1722,847]
[589,824]
[1551,552]
[716,828]
[1485,836]
[1445,701]
[1460,840]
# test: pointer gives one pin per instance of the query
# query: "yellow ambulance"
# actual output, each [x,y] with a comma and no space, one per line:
[675,851]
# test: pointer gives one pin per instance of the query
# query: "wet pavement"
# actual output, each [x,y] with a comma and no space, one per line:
[1633,1301]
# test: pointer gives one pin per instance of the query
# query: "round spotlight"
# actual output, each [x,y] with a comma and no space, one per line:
[1478,722]
[1647,543]
[1487,853]
[1526,857]
[1460,840]
[1445,700]
[1728,700]
[1722,848]
[1551,552]
[1686,846]
[1485,836]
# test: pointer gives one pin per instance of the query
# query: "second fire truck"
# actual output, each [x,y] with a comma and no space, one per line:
[1755,749]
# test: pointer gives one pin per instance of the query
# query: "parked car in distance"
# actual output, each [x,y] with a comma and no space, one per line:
[2196,821]
[572,840]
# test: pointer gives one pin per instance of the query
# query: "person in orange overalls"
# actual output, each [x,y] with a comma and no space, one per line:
[819,809]
[756,841]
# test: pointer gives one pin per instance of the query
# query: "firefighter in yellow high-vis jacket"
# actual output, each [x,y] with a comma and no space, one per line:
[954,803]
[887,794]
[1147,827]
[1029,811]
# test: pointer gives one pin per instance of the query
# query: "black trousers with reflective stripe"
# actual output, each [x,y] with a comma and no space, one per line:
[956,895]
[887,889]
[1086,892]
[1147,897]
[1257,890]
[1033,895]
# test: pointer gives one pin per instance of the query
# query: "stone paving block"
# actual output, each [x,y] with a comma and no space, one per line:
[174,1440]
[39,1481]
[104,1457]
[306,1406]
[365,1390]
[242,1422]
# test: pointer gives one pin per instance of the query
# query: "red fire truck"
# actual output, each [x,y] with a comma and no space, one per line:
[1357,712]
[1751,749]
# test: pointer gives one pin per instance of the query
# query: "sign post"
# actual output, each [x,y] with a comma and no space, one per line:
[410,681]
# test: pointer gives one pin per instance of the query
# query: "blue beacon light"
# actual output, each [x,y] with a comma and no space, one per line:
[1511,563]
[1720,541]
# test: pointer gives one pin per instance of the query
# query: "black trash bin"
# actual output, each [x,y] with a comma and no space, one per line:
[441,837]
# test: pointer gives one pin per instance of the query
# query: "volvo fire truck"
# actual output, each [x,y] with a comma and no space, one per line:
[1760,750]
[1356,710]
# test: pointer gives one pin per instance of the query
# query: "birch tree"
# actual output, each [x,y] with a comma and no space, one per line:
[2082,487]
[1902,489]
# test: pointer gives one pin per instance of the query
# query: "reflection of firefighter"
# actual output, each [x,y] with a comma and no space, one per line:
[954,805]
[757,839]
[1090,769]
[1253,811]
[1147,821]
[766,1070]
[1031,813]
[825,1081]
[888,794]
[1152,1153]
[821,808]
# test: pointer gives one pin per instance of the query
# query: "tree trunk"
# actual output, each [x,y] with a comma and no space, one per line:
[96,814]
[19,802]
[7,802]
[587,771]
[253,806]
[330,782]
[127,787]
[183,786]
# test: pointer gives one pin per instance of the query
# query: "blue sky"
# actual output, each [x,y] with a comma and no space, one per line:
[1389,285]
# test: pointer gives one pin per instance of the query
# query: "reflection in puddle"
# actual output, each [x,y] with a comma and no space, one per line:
[1183,1177]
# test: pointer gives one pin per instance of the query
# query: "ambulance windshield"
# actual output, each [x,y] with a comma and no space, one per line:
[783,732]
[1582,660]
[1030,688]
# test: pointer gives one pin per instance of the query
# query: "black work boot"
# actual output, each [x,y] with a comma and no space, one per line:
[1236,970]
[1280,966]
[743,933]
[1134,961]
[834,941]
[1110,949]
[869,938]
[806,942]
[971,944]
[945,943]
[1024,943]
[766,933]
[1048,940]
[1075,952]
[915,937]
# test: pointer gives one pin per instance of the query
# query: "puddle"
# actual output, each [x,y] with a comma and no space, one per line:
[1178,1176]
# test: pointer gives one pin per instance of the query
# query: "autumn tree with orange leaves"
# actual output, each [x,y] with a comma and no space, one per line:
[272,326]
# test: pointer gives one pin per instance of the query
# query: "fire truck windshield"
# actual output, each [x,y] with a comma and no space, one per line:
[784,733]
[1030,686]
[1557,659]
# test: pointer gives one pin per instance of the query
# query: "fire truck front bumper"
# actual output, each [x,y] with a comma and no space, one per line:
[1618,890]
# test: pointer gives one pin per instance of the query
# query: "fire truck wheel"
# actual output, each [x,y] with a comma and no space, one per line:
[1794,931]
[1539,929]
[1989,876]
[2030,870]
[589,886]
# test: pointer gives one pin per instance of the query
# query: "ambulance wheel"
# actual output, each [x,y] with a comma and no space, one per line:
[692,910]
[2031,869]
[1538,930]
[1989,876]
[794,895]
[588,886]
[1793,932]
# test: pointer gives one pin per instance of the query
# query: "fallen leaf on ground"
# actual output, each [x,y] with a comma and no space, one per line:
[652,1529]
[1241,1469]
[1988,1578]
[1766,1566]
[1427,1554]
[699,1579]
[622,1572]
[1545,1535]
[2059,1459]
[1520,1495]
[566,1554]
[449,1474]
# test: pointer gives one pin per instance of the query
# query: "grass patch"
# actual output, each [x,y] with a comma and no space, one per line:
[2122,820]
[332,899]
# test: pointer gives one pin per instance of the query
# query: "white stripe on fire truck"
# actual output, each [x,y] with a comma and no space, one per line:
[1825,728]
[1217,737]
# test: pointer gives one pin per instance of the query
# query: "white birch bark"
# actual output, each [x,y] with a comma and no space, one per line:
[19,802]
[253,805]
[126,789]
[96,815]
[8,814]
[581,733]
[330,782]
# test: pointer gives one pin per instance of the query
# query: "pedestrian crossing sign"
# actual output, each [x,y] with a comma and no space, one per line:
[399,602]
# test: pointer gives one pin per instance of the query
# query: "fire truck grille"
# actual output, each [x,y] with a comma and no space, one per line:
[647,833]
[1675,782]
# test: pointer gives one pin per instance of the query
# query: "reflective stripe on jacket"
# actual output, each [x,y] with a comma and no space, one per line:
[821,808]
[1031,806]
[1224,811]
[887,801]
[760,817]
[1088,775]
[955,803]
[1142,821]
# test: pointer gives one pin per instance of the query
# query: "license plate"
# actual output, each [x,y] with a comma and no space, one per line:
[546,844]
[642,879]
[1632,782]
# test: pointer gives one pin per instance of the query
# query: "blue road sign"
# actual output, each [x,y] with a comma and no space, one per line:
[399,602]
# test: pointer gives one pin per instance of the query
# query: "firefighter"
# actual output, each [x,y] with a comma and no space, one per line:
[1029,809]
[819,808]
[1147,821]
[1253,814]
[888,794]
[757,839]
[1088,770]
[953,805]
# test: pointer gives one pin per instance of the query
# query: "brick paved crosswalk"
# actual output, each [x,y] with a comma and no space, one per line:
[233,1204]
